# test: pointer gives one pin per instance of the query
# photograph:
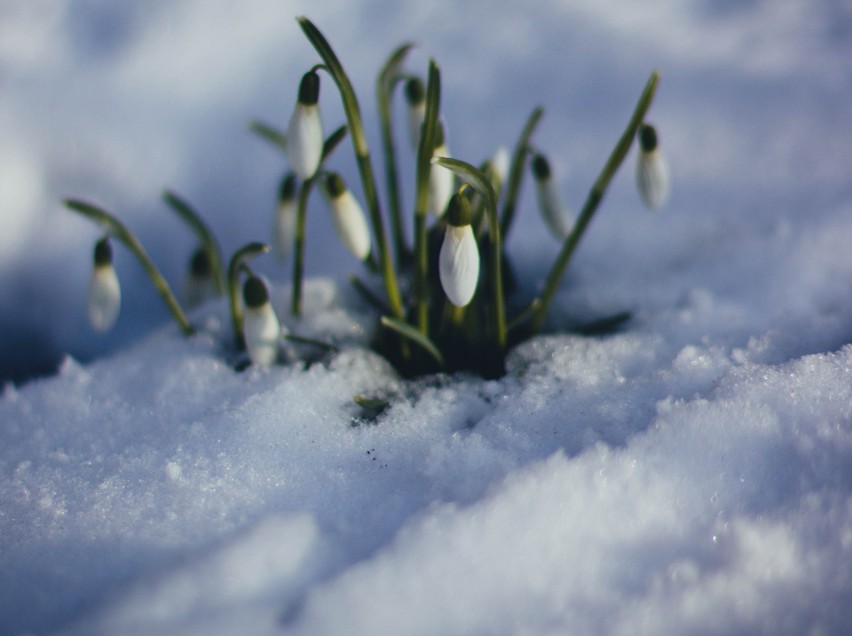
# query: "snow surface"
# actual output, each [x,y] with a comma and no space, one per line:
[691,474]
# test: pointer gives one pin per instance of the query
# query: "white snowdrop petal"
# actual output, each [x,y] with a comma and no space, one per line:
[284,228]
[441,184]
[351,224]
[458,264]
[500,164]
[104,298]
[553,209]
[262,333]
[305,140]
[652,178]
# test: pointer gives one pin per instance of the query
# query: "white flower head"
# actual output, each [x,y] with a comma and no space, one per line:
[550,203]
[415,95]
[498,167]
[261,330]
[284,223]
[304,133]
[652,173]
[348,217]
[458,262]
[199,285]
[104,295]
[442,181]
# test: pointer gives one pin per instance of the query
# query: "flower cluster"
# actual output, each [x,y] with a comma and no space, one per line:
[454,263]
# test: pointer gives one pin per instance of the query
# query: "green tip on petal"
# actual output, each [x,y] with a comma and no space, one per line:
[103,252]
[200,265]
[458,211]
[309,89]
[334,185]
[287,190]
[255,293]
[415,91]
[648,137]
[540,167]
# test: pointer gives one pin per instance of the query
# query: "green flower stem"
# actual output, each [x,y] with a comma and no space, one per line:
[593,201]
[421,202]
[387,81]
[331,143]
[118,229]
[234,268]
[205,236]
[482,184]
[299,246]
[362,156]
[516,171]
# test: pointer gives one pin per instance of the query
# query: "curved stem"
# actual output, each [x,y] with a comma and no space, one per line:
[234,267]
[118,229]
[205,236]
[362,156]
[593,201]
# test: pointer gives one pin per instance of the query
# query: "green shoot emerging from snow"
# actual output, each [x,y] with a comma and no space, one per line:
[455,263]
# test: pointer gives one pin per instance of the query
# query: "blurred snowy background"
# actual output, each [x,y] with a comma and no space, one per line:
[691,475]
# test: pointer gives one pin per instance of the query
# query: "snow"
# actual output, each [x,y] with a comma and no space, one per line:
[690,474]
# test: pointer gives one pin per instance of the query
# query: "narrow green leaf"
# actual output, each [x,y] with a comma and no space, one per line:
[332,141]
[407,331]
[516,171]
[385,84]
[270,133]
[362,156]
[421,202]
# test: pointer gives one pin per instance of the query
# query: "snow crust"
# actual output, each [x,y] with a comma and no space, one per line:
[690,474]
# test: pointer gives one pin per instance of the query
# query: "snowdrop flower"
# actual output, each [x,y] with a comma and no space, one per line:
[348,217]
[652,174]
[553,209]
[415,94]
[499,167]
[442,180]
[458,261]
[104,297]
[199,285]
[284,226]
[304,133]
[261,328]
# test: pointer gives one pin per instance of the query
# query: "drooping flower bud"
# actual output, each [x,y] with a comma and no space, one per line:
[652,174]
[458,262]
[304,133]
[442,180]
[261,329]
[550,203]
[200,285]
[348,217]
[104,295]
[284,225]
[499,168]
[415,95]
